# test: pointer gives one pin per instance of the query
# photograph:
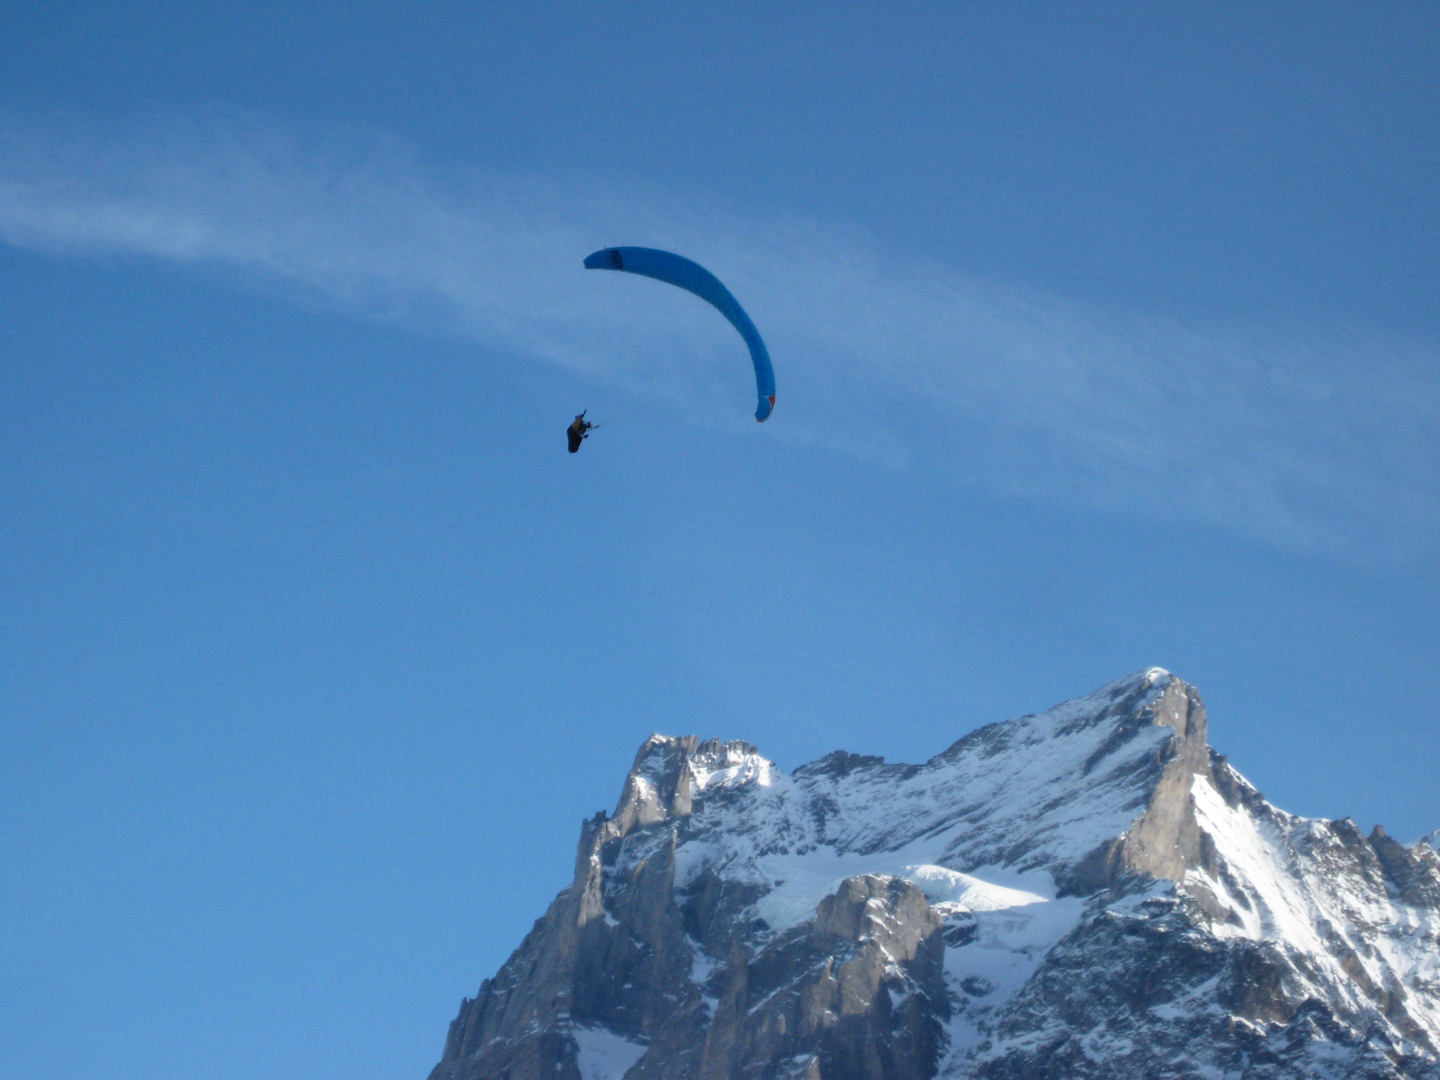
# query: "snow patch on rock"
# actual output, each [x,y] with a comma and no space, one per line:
[603,1055]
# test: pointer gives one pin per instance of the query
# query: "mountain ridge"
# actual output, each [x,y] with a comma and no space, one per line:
[856,918]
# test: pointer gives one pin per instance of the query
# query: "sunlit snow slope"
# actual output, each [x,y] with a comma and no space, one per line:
[1086,892]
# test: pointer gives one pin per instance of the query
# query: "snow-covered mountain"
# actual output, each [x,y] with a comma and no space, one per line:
[1091,892]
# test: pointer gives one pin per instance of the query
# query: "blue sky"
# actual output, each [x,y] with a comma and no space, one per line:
[1105,337]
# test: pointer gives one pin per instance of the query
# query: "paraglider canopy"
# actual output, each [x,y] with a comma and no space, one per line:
[692,277]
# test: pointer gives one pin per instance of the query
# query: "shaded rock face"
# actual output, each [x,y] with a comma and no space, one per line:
[1091,892]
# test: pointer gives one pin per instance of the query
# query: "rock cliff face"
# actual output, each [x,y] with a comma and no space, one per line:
[1091,892]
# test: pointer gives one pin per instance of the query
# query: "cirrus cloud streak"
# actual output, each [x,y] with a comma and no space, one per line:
[1312,441]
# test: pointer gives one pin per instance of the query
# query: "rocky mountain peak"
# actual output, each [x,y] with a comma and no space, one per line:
[1091,891]
[668,772]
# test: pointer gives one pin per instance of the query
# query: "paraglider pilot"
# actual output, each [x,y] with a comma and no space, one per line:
[578,431]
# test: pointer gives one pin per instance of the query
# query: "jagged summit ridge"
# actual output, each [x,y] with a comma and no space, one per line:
[1059,792]
[1090,891]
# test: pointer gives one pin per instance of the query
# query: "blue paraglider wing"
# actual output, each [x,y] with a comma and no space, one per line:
[692,277]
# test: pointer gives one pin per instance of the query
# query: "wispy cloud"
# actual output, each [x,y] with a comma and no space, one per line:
[1321,443]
